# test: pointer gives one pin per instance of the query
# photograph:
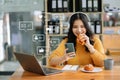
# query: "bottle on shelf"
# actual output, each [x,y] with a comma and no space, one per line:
[57,27]
[53,6]
[65,6]
[98,27]
[95,5]
[65,27]
[50,27]
[54,26]
[84,5]
[89,5]
[92,26]
[59,5]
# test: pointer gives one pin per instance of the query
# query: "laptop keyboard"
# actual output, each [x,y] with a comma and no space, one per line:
[50,70]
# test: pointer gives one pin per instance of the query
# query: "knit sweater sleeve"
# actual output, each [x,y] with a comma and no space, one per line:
[99,55]
[59,51]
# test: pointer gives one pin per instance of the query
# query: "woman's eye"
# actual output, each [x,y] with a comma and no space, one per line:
[82,26]
[74,26]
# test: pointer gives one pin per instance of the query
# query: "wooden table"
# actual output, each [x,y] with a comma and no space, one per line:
[114,74]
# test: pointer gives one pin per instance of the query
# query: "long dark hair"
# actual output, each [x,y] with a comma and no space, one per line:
[85,19]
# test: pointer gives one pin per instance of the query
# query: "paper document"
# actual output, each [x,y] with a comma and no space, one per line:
[71,67]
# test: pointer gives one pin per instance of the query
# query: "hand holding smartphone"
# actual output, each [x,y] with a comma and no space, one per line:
[70,47]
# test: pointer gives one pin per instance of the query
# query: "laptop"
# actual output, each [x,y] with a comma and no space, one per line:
[30,63]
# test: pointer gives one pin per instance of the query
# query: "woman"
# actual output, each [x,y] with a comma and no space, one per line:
[90,52]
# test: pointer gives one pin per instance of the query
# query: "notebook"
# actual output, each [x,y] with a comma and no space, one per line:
[30,63]
[71,67]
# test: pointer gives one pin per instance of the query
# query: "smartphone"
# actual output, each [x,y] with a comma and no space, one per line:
[70,47]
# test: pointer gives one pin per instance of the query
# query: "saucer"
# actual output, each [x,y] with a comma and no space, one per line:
[96,69]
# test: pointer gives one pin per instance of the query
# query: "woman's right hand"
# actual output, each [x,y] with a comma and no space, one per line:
[69,55]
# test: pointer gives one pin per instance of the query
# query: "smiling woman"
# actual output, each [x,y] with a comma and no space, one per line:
[91,52]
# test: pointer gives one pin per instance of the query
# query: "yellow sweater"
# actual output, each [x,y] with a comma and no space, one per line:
[82,57]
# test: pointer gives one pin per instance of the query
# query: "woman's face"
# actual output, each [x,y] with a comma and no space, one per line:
[78,27]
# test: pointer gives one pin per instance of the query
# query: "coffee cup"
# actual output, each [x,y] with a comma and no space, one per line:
[108,64]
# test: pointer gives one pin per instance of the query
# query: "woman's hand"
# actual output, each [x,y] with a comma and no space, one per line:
[69,55]
[58,60]
[84,38]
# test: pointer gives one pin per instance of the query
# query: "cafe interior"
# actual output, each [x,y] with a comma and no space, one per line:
[36,27]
